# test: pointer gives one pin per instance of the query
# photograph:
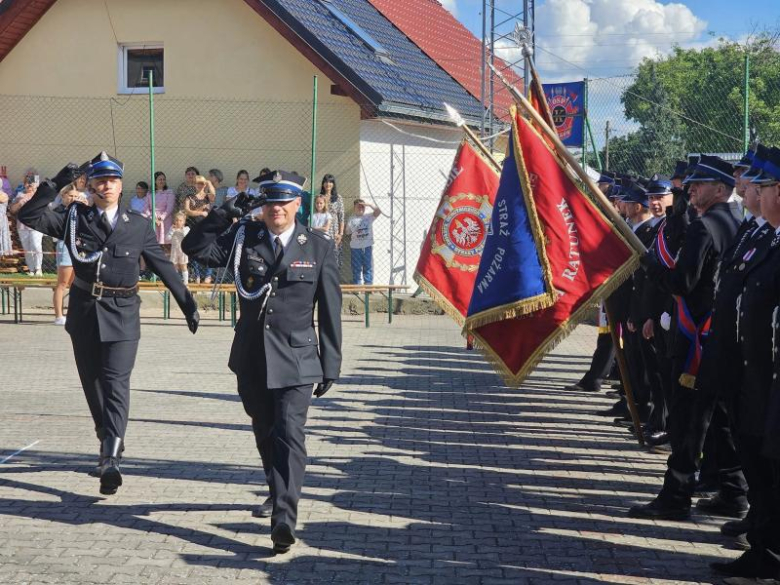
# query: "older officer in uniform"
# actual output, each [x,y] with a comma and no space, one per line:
[756,319]
[282,270]
[103,313]
[691,278]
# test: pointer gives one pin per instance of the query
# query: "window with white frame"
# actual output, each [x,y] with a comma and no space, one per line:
[139,62]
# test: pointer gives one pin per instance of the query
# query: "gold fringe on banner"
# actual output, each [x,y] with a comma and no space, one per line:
[439,298]
[515,379]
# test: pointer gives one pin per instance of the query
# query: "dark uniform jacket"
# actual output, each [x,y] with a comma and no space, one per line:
[720,373]
[284,333]
[620,300]
[109,318]
[640,310]
[760,294]
[693,277]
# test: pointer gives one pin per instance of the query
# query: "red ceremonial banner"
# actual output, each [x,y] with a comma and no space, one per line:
[447,268]
[588,256]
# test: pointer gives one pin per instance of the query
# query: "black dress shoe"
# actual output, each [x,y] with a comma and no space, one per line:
[617,409]
[612,394]
[265,509]
[720,506]
[110,475]
[735,527]
[657,438]
[658,510]
[748,565]
[283,538]
[741,542]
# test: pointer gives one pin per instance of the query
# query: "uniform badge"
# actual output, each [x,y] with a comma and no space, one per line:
[302,239]
[125,218]
[277,177]
[260,234]
[90,215]
[748,255]
[742,266]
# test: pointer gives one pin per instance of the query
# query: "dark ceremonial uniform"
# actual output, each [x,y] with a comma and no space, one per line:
[603,358]
[103,310]
[692,279]
[276,354]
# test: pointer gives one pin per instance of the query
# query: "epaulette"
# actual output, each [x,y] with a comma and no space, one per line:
[319,233]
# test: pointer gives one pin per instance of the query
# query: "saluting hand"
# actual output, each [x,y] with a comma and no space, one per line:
[192,321]
[67,174]
[323,387]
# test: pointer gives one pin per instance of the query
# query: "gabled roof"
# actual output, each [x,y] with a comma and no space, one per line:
[450,44]
[401,80]
[16,18]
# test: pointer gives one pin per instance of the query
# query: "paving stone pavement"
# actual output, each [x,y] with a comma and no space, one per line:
[424,469]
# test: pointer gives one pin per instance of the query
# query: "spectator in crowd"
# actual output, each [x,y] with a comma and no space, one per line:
[187,187]
[360,228]
[242,185]
[196,207]
[5,229]
[175,236]
[32,241]
[321,219]
[139,202]
[216,177]
[336,210]
[30,174]
[66,196]
[164,203]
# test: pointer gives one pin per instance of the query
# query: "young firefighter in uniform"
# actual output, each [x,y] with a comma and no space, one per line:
[103,314]
[282,269]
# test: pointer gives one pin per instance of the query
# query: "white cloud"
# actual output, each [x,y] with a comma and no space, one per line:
[451,5]
[608,37]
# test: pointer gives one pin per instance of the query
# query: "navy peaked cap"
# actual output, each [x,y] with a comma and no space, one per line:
[280,185]
[104,165]
[712,168]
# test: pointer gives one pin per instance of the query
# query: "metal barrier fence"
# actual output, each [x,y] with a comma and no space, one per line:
[396,165]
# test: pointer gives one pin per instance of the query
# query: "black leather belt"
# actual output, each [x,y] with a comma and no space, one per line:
[98,290]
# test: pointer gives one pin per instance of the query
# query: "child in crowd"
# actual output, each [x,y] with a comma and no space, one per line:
[360,228]
[176,235]
[321,218]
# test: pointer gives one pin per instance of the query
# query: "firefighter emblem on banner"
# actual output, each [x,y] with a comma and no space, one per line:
[462,225]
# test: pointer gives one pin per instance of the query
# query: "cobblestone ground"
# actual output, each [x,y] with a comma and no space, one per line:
[423,469]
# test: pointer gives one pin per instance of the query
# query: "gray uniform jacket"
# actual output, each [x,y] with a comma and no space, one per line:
[306,276]
[107,319]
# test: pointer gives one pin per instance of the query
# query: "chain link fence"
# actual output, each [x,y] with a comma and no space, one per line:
[397,166]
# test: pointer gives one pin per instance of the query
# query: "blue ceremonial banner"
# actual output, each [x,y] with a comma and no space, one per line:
[566,101]
[514,276]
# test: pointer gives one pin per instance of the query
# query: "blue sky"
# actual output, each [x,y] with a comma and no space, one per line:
[602,38]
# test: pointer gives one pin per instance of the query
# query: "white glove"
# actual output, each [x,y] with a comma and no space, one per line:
[666,321]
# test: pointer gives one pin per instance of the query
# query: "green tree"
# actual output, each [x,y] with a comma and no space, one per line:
[704,91]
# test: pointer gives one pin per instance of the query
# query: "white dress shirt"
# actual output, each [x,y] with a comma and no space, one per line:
[112,214]
[285,237]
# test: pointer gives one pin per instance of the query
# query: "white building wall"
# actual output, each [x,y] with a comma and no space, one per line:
[403,170]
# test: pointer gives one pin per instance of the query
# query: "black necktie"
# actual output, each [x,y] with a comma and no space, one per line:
[105,223]
[278,250]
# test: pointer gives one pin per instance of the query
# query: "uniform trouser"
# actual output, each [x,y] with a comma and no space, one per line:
[278,419]
[636,371]
[660,380]
[104,369]
[601,364]
[763,478]
[692,415]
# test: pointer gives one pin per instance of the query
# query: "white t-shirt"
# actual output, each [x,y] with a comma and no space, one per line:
[361,228]
[320,220]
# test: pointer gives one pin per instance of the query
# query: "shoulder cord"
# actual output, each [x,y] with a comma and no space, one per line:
[70,230]
[242,292]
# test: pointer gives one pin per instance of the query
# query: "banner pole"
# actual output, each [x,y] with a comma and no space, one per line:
[606,207]
[461,123]
[623,368]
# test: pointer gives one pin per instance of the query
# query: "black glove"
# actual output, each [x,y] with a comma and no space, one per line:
[648,261]
[237,207]
[680,201]
[192,321]
[67,175]
[323,387]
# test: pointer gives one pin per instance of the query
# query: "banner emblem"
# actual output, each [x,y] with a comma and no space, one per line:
[462,226]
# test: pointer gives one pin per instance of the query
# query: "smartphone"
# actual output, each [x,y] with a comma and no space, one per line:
[37,179]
